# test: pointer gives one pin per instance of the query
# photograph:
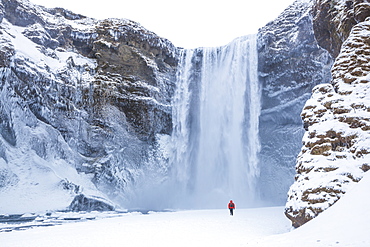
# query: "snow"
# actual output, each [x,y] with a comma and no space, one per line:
[182,228]
[30,51]
[343,224]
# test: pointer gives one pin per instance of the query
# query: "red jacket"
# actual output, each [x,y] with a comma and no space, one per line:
[231,205]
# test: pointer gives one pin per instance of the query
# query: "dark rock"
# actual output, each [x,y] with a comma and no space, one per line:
[20,14]
[69,15]
[83,203]
[6,53]
[361,11]
[333,23]
[41,37]
[6,126]
[1,12]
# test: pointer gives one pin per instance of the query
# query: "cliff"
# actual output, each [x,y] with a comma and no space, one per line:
[290,64]
[335,152]
[82,104]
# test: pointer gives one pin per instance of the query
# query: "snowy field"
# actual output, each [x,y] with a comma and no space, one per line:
[182,228]
[344,224]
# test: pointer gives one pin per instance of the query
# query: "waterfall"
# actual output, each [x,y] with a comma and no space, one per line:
[216,111]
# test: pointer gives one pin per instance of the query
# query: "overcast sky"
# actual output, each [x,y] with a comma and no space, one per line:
[189,23]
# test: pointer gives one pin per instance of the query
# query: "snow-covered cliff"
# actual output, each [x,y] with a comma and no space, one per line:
[336,145]
[291,63]
[82,102]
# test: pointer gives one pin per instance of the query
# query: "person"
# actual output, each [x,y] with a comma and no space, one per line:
[231,207]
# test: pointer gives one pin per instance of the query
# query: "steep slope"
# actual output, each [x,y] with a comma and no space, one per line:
[82,104]
[290,64]
[336,145]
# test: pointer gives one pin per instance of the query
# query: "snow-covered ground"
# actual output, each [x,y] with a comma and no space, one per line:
[182,228]
[344,224]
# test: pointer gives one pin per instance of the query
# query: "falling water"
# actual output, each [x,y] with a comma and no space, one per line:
[215,118]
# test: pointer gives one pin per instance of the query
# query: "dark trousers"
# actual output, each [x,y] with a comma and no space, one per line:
[231,211]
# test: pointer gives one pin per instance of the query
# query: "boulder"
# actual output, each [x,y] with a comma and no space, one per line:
[85,203]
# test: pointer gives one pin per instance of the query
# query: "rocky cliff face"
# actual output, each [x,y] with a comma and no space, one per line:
[335,151]
[82,101]
[333,21]
[290,64]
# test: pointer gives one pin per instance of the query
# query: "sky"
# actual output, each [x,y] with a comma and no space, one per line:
[188,24]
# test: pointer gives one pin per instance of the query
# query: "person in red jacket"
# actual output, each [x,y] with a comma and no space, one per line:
[231,207]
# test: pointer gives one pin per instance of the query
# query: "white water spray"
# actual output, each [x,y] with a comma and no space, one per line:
[215,118]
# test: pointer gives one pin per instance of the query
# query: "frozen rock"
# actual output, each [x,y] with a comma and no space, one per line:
[333,21]
[84,203]
[335,152]
[82,100]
